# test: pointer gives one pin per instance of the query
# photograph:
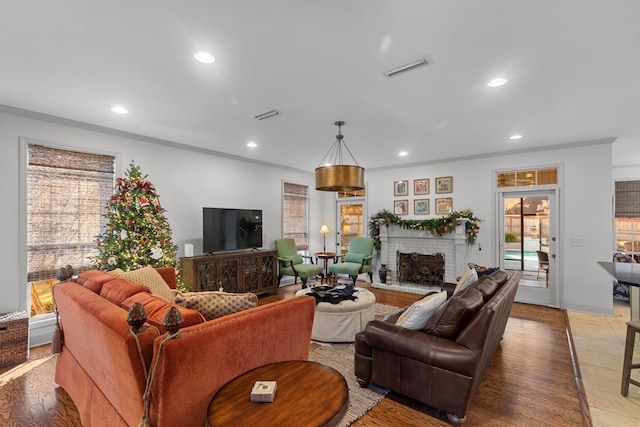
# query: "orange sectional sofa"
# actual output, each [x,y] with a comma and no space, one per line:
[104,367]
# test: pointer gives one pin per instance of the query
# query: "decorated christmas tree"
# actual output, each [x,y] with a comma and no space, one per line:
[137,231]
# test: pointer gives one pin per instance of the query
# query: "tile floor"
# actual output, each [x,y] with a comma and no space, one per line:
[599,342]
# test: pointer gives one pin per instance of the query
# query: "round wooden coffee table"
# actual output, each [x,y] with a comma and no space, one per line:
[308,393]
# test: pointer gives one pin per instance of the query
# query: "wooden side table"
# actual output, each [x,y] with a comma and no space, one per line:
[325,256]
[308,393]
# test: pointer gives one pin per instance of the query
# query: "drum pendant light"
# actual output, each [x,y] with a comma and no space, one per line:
[332,175]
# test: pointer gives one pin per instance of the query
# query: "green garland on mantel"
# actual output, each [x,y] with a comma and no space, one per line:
[436,226]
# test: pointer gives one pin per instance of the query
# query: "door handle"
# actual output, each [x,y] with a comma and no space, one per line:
[553,256]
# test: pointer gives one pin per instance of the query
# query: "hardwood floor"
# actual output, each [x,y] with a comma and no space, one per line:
[531,381]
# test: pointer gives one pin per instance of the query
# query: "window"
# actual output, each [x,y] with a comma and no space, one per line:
[67,194]
[627,212]
[295,214]
[527,178]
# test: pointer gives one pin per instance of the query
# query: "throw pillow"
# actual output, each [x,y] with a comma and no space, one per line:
[119,290]
[94,280]
[357,258]
[467,279]
[214,304]
[297,259]
[156,309]
[487,287]
[419,313]
[452,316]
[149,277]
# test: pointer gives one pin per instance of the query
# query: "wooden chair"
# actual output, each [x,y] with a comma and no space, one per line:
[543,264]
[357,260]
[633,327]
[291,263]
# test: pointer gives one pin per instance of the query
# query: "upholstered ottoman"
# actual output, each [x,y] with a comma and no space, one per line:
[341,322]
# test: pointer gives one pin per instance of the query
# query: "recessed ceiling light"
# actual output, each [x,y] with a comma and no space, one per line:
[119,109]
[204,57]
[252,144]
[516,136]
[499,81]
[403,154]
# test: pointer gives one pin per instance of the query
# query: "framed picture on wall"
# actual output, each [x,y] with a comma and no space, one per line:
[444,206]
[421,206]
[421,186]
[401,207]
[401,188]
[444,184]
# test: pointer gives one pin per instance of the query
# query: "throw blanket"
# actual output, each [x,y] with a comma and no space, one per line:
[333,295]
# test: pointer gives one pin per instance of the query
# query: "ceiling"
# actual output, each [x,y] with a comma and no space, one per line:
[572,68]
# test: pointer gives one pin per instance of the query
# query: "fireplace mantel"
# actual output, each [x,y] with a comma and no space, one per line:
[453,245]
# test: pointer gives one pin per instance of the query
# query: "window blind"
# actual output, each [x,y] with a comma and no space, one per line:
[67,194]
[295,214]
[627,199]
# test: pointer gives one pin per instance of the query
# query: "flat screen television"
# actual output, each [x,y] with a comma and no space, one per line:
[226,229]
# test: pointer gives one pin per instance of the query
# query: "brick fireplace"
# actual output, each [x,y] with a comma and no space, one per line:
[453,246]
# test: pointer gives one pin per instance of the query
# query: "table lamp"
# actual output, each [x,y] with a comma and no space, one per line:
[324,230]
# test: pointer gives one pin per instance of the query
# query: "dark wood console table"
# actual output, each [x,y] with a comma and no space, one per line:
[308,394]
[236,271]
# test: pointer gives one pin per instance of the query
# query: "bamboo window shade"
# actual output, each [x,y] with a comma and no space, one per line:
[67,195]
[627,199]
[295,214]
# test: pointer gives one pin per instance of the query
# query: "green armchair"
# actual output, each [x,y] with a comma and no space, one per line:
[357,260]
[291,263]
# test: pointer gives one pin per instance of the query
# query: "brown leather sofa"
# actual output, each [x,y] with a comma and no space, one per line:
[441,366]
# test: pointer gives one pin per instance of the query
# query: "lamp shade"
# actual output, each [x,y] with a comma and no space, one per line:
[340,178]
[324,229]
[336,176]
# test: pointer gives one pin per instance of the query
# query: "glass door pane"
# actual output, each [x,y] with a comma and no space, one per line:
[351,220]
[526,238]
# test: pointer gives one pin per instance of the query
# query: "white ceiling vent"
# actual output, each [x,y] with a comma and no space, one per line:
[266,114]
[407,67]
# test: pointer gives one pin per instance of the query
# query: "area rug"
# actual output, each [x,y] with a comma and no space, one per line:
[382,310]
[340,358]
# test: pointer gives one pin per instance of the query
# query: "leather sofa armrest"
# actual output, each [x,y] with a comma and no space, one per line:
[418,345]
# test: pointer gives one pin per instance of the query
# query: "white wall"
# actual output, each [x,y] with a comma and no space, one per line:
[585,203]
[187,180]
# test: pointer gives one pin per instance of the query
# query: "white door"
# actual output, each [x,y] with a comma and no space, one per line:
[527,236]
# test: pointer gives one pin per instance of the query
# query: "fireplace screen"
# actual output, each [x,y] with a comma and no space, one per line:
[422,269]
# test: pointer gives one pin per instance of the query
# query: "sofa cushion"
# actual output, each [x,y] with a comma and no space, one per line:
[119,290]
[156,308]
[214,304]
[149,277]
[453,315]
[94,279]
[419,313]
[499,276]
[487,286]
[469,277]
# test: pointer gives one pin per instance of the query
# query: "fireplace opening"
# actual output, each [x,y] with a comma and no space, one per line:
[421,269]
